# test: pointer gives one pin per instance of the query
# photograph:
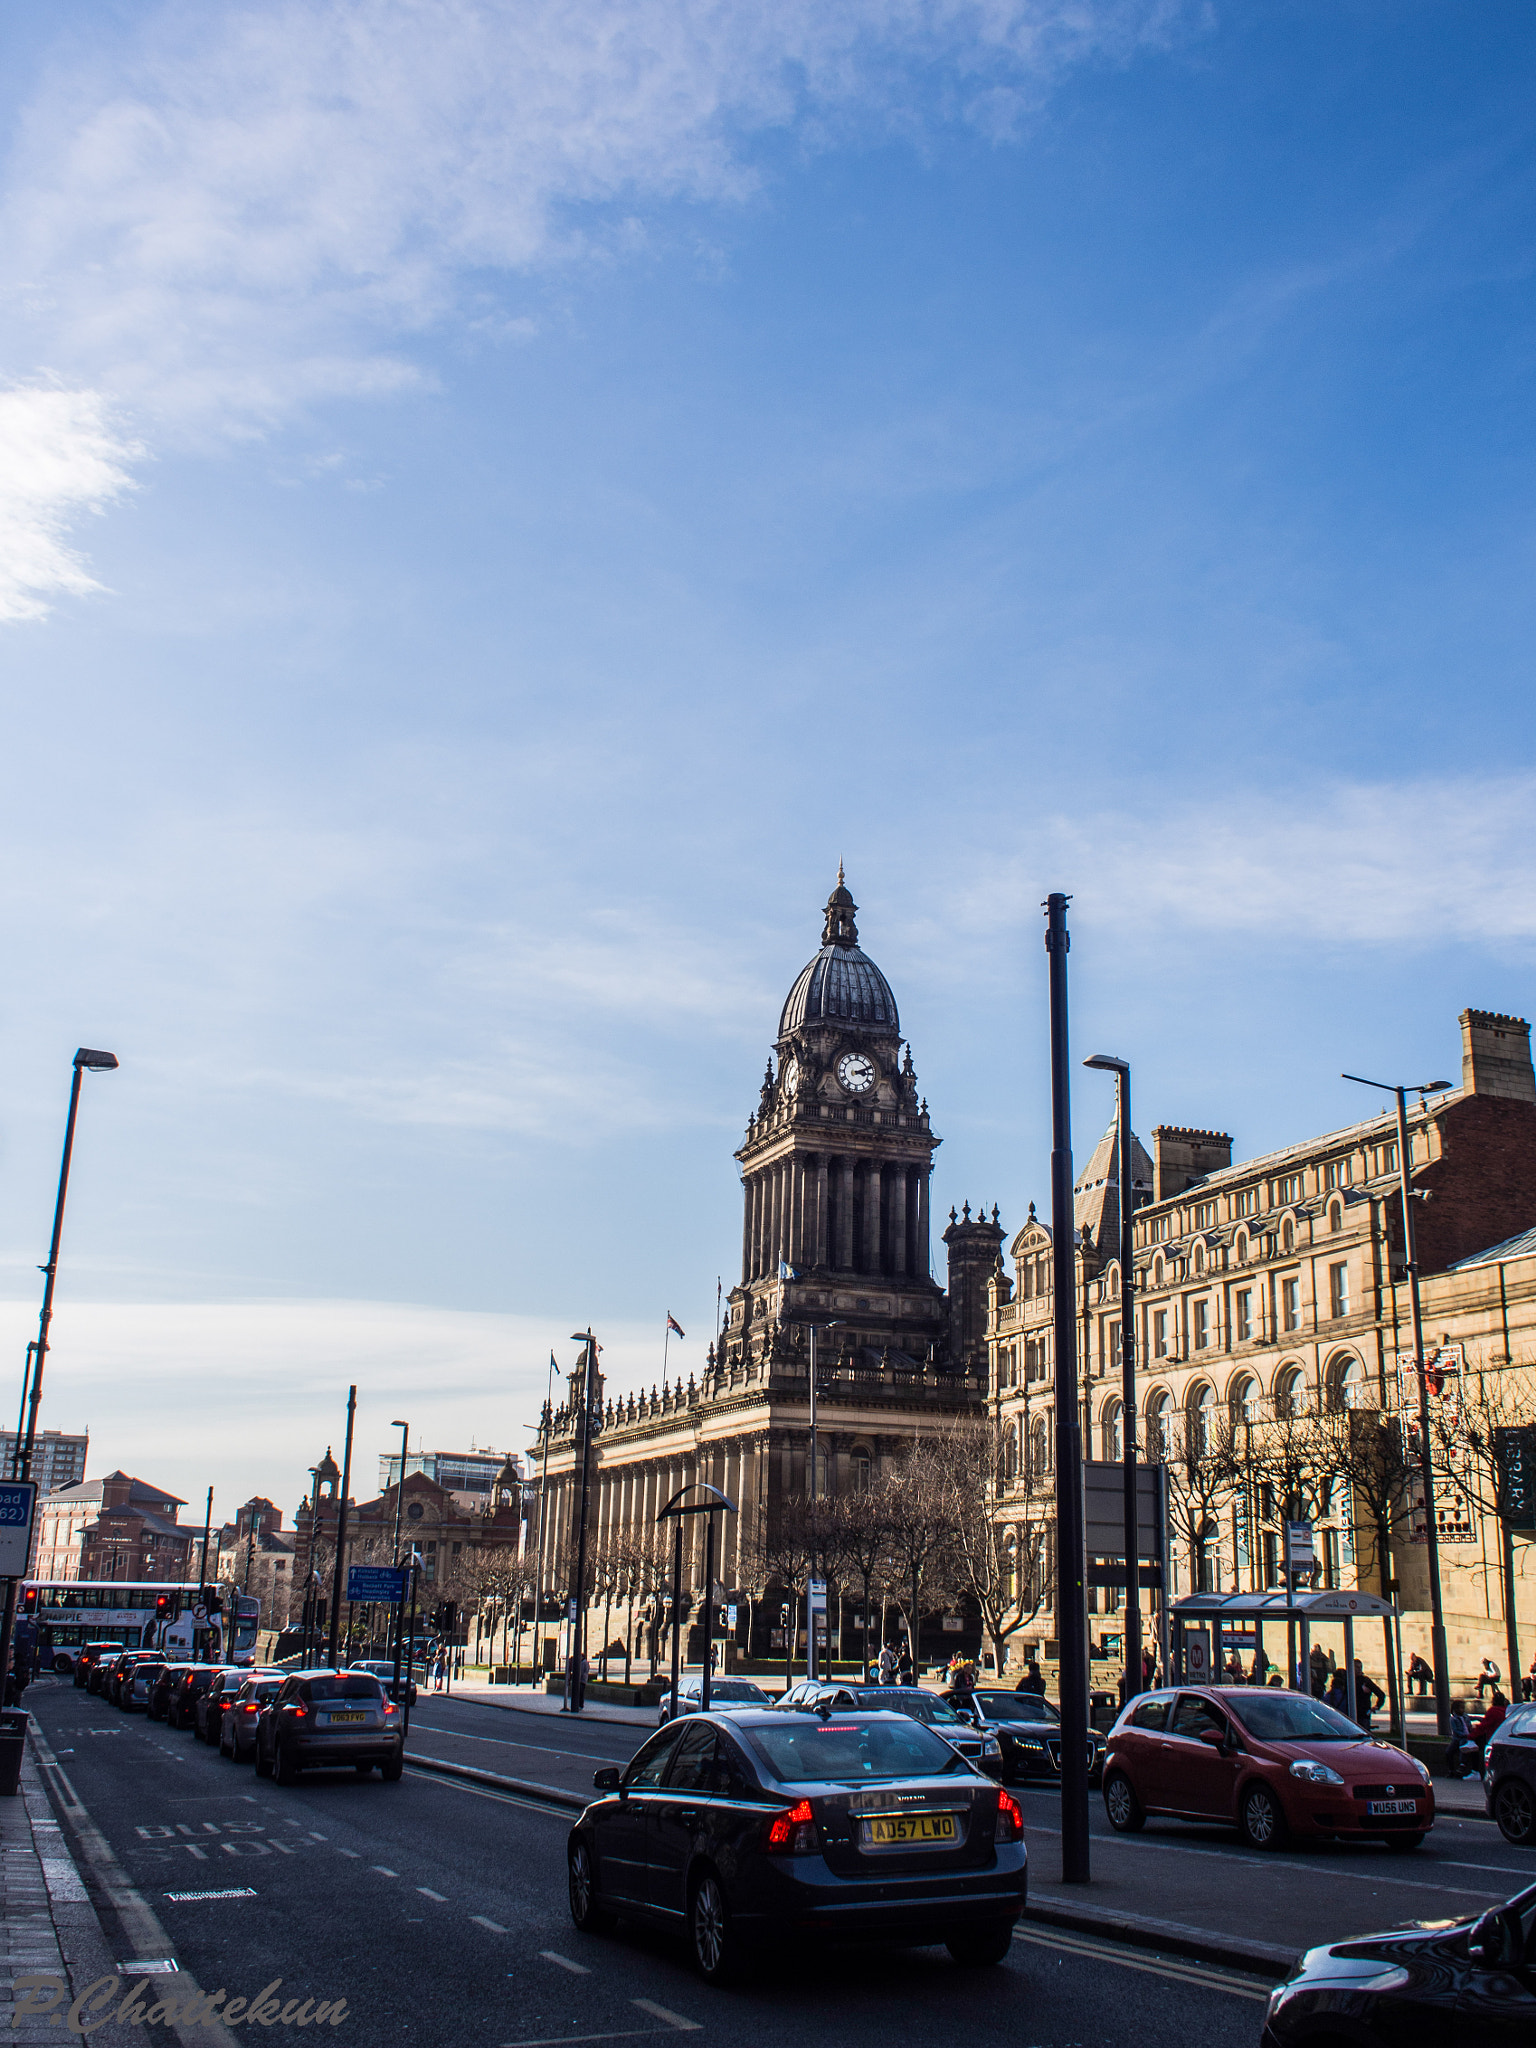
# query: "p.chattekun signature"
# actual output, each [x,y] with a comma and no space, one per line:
[159,2005]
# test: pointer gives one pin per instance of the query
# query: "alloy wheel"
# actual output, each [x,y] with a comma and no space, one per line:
[1515,1811]
[1261,1818]
[709,1925]
[581,1883]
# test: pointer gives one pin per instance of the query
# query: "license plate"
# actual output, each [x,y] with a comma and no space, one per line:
[1387,1807]
[909,1827]
[334,1718]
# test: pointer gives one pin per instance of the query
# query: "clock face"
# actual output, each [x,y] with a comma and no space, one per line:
[789,1078]
[856,1073]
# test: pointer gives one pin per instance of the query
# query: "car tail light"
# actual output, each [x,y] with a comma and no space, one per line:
[1010,1821]
[793,1833]
[388,1710]
[297,1709]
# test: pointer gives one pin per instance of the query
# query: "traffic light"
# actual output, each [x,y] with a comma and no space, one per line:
[165,1607]
[29,1600]
[784,1615]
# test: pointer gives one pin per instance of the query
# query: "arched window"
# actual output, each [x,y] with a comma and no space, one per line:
[1202,1415]
[1157,1270]
[1346,1383]
[1288,1236]
[1244,1401]
[1114,1283]
[1290,1391]
[1242,1247]
[1335,1215]
[1010,1458]
[1199,1258]
[1011,1565]
[1110,1433]
[1157,1426]
[1039,1447]
[1207,1558]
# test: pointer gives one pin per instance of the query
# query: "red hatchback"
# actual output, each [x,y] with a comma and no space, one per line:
[1270,1762]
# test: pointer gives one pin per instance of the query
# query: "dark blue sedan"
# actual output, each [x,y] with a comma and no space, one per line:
[835,1826]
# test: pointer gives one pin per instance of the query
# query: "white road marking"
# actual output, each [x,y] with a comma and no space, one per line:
[551,1955]
[564,2040]
[1166,1846]
[673,2019]
[560,1813]
[589,1756]
[383,1871]
[489,1925]
[428,1893]
[350,1852]
[1184,1973]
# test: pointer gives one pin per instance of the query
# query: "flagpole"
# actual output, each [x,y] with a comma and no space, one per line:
[666,1339]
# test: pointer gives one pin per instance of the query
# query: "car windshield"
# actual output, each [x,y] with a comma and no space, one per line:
[808,1752]
[1291,1717]
[354,1685]
[1016,1706]
[921,1706]
[734,1689]
[267,1690]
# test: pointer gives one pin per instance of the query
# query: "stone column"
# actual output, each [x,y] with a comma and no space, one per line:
[924,1250]
[746,1233]
[898,1229]
[796,1210]
[845,1215]
[821,1251]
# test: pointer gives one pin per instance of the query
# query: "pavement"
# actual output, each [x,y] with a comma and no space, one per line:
[435,1910]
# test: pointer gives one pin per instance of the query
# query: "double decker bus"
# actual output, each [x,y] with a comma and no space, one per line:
[141,1614]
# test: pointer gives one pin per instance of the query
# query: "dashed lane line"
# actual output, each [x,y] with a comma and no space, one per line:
[562,1813]
[1127,1959]
[673,2019]
[428,1893]
[552,1955]
[383,1870]
[490,1926]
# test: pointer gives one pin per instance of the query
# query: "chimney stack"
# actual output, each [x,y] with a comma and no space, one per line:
[1496,1056]
[1180,1156]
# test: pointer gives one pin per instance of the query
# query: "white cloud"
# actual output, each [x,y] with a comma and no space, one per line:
[60,457]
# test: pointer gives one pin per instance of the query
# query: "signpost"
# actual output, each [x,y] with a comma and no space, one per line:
[374,1584]
[1197,1656]
[18,1498]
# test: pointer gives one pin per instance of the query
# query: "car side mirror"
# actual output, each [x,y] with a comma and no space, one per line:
[607,1779]
[1214,1736]
[1488,1938]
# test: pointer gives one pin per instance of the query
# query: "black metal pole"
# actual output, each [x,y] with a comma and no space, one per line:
[202,1568]
[579,1631]
[50,1274]
[709,1606]
[1128,1389]
[21,1412]
[405,1438]
[1071,1590]
[1426,1461]
[333,1640]
[677,1609]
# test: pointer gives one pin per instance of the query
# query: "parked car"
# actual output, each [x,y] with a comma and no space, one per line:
[723,1692]
[1270,1762]
[88,1656]
[383,1670]
[105,1678]
[122,1669]
[1509,1775]
[1028,1730]
[224,1682]
[181,1711]
[329,1719]
[976,1741]
[167,1682]
[761,1828]
[239,1711]
[1470,1983]
[137,1684]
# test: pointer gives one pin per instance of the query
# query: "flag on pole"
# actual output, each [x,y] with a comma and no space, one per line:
[674,1324]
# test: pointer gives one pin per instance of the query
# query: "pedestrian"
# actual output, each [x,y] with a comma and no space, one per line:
[1530,1682]
[1368,1696]
[1488,1678]
[1234,1669]
[1482,1734]
[1461,1751]
[1420,1674]
[1338,1693]
[887,1665]
[1032,1681]
[581,1671]
[1319,1661]
[904,1664]
[1260,1674]
[1149,1669]
[962,1688]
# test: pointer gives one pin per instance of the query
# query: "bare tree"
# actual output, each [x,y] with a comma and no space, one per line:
[998,1562]
[922,1546]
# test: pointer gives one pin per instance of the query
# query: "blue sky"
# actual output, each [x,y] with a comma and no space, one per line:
[495,501]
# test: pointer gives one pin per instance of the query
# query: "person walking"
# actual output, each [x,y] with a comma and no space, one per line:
[1488,1679]
[1368,1696]
[887,1665]
[904,1664]
[1032,1681]
[1148,1669]
[439,1667]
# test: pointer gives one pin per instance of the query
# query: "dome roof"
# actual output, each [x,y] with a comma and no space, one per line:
[840,984]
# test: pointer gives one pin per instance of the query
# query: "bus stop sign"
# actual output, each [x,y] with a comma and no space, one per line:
[18,1498]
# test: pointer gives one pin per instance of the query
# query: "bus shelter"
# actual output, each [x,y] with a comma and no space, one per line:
[1229,1620]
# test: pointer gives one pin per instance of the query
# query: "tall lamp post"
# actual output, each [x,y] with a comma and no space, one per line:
[86,1061]
[1439,1655]
[575,1688]
[811,1665]
[1071,1588]
[1106,1063]
[405,1438]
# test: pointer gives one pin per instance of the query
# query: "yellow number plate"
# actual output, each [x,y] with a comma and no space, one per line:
[910,1827]
[347,1717]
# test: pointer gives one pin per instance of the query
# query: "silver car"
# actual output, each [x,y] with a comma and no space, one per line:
[724,1693]
[327,1720]
[138,1684]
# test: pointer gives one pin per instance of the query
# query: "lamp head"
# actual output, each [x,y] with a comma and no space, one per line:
[1433,1087]
[1107,1063]
[98,1062]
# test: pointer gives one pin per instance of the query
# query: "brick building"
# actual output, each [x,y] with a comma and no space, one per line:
[118,1527]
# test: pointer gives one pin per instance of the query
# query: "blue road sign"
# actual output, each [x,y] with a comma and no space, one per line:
[17,1499]
[375,1582]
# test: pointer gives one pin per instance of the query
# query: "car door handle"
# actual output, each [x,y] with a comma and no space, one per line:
[689,1816]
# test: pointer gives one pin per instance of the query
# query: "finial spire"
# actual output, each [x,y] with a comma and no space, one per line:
[839,871]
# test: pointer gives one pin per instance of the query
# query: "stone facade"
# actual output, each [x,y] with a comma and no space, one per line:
[1277,1288]
[114,1528]
[835,1167]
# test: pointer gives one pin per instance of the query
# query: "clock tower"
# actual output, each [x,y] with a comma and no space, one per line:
[835,1171]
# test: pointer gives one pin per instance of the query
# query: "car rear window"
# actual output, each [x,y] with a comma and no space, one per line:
[1152,1715]
[1292,1717]
[921,1706]
[267,1690]
[804,1752]
[352,1685]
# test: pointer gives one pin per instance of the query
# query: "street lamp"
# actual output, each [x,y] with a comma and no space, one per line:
[811,1670]
[405,1437]
[1106,1063]
[1439,1655]
[86,1061]
[575,1692]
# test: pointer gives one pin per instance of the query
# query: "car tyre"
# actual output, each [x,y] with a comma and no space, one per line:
[988,1945]
[586,1913]
[393,1773]
[1403,1843]
[1514,1808]
[284,1770]
[715,1948]
[263,1769]
[1125,1812]
[1260,1819]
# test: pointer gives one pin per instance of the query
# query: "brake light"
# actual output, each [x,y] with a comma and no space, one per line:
[297,1709]
[250,1707]
[793,1833]
[388,1710]
[1010,1820]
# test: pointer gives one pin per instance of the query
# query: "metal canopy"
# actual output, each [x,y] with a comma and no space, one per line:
[1338,1605]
